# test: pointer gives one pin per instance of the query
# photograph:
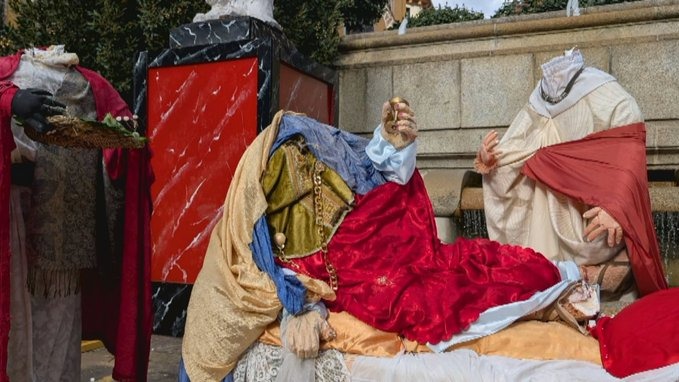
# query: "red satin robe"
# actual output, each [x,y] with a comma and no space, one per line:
[396,275]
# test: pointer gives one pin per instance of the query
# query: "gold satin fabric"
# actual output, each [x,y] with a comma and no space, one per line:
[232,302]
[353,337]
[537,340]
[288,186]
[522,340]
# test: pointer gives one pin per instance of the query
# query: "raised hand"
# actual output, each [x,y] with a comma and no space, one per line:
[398,124]
[487,156]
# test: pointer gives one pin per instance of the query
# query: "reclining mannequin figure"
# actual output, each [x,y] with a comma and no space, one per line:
[351,224]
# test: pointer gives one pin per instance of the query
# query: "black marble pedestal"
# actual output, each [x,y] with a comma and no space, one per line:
[228,29]
[203,101]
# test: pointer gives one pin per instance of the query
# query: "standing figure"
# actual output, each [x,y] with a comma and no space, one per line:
[568,178]
[62,251]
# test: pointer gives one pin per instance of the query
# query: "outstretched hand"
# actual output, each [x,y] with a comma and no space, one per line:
[601,223]
[398,124]
[33,106]
[487,156]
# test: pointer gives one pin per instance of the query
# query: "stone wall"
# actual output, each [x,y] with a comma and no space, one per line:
[468,78]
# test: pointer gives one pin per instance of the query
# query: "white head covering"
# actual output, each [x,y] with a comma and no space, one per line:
[54,55]
[556,74]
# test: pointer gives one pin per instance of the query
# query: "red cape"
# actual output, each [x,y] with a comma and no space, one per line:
[118,313]
[608,169]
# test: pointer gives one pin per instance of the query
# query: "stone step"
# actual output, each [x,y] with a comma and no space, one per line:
[663,198]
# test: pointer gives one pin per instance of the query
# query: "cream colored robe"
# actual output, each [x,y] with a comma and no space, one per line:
[523,212]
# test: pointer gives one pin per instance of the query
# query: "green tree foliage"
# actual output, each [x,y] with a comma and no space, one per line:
[106,34]
[157,17]
[5,42]
[519,7]
[357,14]
[443,15]
[43,23]
[115,25]
[311,25]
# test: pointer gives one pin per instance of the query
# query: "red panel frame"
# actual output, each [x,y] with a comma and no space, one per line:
[303,93]
[201,118]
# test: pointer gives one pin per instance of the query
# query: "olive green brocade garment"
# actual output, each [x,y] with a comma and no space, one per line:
[289,189]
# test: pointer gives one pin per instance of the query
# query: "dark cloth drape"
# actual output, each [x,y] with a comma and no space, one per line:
[133,323]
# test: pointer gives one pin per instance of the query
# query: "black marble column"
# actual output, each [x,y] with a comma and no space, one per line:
[228,29]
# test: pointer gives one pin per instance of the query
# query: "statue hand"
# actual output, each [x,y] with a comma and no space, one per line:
[302,334]
[602,223]
[34,105]
[487,156]
[399,126]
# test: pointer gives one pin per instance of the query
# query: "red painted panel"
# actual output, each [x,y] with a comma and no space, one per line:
[305,94]
[201,118]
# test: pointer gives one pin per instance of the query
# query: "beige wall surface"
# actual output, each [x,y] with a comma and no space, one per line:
[467,78]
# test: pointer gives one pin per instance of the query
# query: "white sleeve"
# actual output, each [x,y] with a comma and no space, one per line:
[26,148]
[395,165]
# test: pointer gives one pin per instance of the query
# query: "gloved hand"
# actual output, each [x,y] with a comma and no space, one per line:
[34,105]
[602,222]
[302,334]
[398,124]
[487,156]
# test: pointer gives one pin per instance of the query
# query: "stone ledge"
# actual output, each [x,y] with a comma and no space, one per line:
[443,187]
[529,43]
[550,21]
[472,198]
[446,229]
[662,198]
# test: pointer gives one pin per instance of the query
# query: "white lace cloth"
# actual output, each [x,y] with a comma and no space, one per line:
[262,363]
[466,365]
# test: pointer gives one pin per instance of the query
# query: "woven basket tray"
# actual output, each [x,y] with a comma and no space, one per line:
[71,131]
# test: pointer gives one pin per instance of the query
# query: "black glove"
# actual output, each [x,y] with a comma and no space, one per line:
[33,105]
